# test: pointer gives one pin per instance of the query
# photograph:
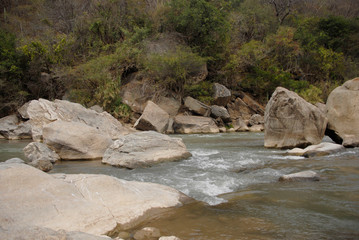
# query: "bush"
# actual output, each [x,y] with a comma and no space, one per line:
[174,69]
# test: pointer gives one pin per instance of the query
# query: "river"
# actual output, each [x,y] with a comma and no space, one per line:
[235,180]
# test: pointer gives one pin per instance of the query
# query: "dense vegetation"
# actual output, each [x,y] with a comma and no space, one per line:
[87,49]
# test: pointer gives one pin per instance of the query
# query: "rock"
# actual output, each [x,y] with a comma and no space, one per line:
[42,112]
[144,149]
[23,111]
[97,108]
[147,233]
[256,128]
[300,176]
[252,104]
[42,164]
[136,94]
[170,105]
[32,232]
[321,149]
[240,125]
[170,129]
[15,160]
[220,112]
[239,109]
[197,106]
[169,238]
[256,119]
[35,151]
[291,122]
[222,95]
[93,204]
[11,128]
[343,114]
[194,124]
[75,140]
[322,107]
[153,118]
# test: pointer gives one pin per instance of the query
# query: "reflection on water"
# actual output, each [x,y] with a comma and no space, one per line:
[235,180]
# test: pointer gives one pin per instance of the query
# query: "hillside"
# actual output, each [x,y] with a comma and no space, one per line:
[87,51]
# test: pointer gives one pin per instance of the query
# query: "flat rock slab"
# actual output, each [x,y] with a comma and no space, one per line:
[194,124]
[144,149]
[300,177]
[321,149]
[93,204]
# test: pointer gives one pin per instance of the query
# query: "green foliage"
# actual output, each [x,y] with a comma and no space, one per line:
[174,69]
[202,91]
[312,94]
[204,25]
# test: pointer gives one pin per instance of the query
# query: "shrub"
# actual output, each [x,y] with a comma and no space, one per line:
[174,69]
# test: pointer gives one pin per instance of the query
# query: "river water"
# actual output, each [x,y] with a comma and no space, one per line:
[235,180]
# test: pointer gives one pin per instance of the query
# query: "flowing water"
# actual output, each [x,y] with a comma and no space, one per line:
[235,180]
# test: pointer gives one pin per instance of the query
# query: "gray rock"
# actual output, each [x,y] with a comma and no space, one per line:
[23,111]
[197,106]
[256,119]
[75,140]
[144,149]
[43,112]
[11,128]
[321,149]
[222,95]
[97,108]
[194,124]
[170,105]
[343,114]
[220,112]
[240,125]
[300,176]
[42,164]
[14,160]
[147,233]
[93,204]
[291,122]
[153,118]
[35,151]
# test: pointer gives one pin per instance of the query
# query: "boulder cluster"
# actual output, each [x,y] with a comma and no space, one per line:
[292,122]
[229,113]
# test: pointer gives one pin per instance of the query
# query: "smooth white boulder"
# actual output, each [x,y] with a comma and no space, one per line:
[321,149]
[93,204]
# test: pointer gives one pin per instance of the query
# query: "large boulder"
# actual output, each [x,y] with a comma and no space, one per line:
[343,114]
[194,124]
[93,204]
[321,149]
[170,105]
[75,140]
[42,112]
[220,112]
[291,122]
[221,95]
[144,149]
[153,118]
[12,128]
[197,107]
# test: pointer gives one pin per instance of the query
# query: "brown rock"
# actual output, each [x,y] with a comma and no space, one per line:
[153,118]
